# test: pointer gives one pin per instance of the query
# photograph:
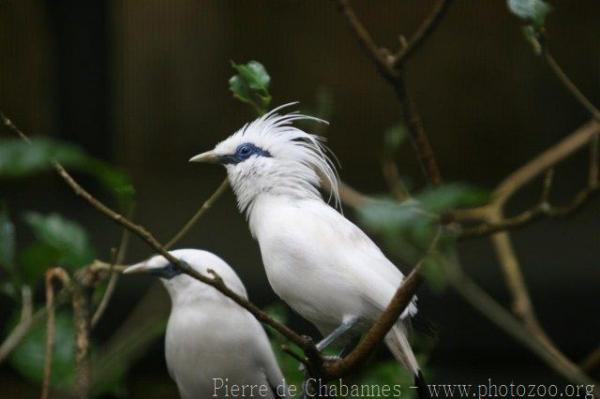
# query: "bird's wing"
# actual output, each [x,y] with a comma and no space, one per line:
[348,247]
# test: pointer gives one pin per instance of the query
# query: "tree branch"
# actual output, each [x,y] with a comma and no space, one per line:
[64,278]
[426,28]
[568,83]
[545,160]
[384,63]
[81,318]
[538,211]
[585,134]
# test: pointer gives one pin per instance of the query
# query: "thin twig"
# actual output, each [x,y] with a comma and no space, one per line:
[569,85]
[545,160]
[22,327]
[81,319]
[61,275]
[114,277]
[536,212]
[426,28]
[201,211]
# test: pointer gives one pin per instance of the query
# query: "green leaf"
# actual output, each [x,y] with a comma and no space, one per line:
[451,196]
[409,227]
[255,74]
[533,11]
[36,259]
[29,357]
[21,159]
[7,240]
[66,237]
[393,138]
[251,85]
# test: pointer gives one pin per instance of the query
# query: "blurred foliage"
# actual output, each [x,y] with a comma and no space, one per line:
[251,85]
[58,242]
[66,238]
[21,159]
[408,228]
[29,357]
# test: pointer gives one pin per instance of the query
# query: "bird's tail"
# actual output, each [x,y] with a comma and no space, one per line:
[397,341]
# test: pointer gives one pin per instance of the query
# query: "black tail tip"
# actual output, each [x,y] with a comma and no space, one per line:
[422,389]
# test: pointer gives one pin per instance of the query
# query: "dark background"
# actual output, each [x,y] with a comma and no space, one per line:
[144,85]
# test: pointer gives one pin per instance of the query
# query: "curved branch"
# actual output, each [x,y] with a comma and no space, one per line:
[545,160]
[526,217]
[426,28]
[64,278]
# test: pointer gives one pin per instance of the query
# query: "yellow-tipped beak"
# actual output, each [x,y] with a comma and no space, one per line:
[206,157]
[137,268]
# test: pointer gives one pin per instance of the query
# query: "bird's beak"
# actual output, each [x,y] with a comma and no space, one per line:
[206,157]
[141,267]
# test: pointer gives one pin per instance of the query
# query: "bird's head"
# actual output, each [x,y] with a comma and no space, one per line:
[270,155]
[183,287]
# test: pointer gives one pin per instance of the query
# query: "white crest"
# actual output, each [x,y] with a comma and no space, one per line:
[298,163]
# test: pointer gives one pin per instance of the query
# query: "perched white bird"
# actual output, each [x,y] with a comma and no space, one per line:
[320,263]
[213,346]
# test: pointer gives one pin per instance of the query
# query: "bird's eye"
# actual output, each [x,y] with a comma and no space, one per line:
[244,151]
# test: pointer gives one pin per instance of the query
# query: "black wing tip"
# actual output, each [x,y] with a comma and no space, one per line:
[422,388]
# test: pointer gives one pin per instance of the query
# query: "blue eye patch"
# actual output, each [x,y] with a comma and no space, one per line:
[243,152]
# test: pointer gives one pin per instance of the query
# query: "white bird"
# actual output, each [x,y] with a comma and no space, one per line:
[213,346]
[325,267]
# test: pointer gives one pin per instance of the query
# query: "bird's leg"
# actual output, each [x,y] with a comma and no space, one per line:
[342,329]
